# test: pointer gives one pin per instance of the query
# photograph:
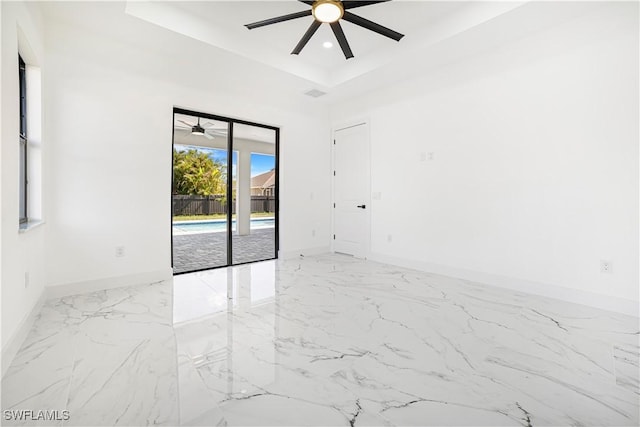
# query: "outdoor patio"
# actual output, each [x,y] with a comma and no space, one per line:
[208,250]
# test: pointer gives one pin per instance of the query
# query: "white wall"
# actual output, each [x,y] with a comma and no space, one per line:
[535,170]
[109,115]
[21,252]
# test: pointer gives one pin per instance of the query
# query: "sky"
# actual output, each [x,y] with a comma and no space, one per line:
[260,163]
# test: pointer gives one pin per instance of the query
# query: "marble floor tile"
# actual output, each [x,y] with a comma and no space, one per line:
[108,358]
[326,341]
[39,376]
[626,365]
[124,382]
[363,341]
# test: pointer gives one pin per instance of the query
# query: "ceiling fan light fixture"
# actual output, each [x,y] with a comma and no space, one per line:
[331,12]
[327,11]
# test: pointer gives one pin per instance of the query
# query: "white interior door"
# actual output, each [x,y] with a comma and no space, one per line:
[351,217]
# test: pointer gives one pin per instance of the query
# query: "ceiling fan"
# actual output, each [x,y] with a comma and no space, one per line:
[330,12]
[205,129]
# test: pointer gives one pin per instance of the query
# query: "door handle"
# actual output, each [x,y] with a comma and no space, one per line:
[362,206]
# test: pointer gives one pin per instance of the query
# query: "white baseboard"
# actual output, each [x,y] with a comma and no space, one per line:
[58,291]
[591,299]
[305,252]
[10,350]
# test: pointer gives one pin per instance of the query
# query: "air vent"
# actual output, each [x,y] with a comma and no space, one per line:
[315,93]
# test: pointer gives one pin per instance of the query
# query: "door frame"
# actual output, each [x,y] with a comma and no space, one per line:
[365,121]
[230,121]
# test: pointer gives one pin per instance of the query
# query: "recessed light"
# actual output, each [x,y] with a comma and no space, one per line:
[327,45]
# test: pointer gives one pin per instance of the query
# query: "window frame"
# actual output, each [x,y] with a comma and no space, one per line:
[24,142]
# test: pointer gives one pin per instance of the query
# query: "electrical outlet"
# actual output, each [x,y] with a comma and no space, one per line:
[605,266]
[26,279]
[423,156]
[313,233]
[389,238]
[431,155]
[119,251]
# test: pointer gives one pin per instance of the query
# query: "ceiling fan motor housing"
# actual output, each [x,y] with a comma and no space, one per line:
[197,129]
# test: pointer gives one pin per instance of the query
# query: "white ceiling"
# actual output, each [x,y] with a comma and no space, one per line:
[221,24]
[280,39]
[206,46]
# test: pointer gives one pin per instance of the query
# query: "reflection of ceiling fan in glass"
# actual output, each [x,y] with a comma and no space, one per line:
[207,129]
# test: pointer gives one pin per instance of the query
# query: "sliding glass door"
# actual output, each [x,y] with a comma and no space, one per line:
[254,236]
[224,192]
[199,203]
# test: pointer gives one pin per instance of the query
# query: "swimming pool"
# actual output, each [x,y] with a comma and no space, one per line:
[217,225]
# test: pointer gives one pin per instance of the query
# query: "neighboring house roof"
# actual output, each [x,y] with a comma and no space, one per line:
[264,180]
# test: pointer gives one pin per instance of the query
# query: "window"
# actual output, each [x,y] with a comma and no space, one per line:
[23,140]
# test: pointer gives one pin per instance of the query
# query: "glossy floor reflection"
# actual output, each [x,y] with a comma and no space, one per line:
[327,340]
[331,340]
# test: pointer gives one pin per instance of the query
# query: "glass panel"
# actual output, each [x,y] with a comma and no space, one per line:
[23,95]
[199,204]
[254,195]
[23,180]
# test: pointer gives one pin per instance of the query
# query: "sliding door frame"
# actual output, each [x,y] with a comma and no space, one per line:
[230,122]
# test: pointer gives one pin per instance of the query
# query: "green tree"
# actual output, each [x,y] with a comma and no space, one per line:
[194,172]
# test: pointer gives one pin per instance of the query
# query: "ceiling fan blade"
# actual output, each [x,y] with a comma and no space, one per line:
[351,4]
[182,127]
[209,125]
[306,37]
[188,124]
[370,25]
[206,135]
[278,19]
[310,3]
[342,39]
